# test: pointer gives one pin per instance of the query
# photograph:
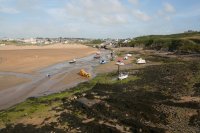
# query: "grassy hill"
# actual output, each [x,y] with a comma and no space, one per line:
[181,43]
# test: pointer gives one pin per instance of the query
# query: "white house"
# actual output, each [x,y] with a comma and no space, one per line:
[30,40]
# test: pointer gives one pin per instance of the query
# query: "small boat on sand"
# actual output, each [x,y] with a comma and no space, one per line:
[103,61]
[129,55]
[72,61]
[122,76]
[48,75]
[97,56]
[126,58]
[120,63]
[141,61]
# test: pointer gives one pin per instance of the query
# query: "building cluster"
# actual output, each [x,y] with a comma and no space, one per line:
[102,43]
[190,31]
[47,40]
[110,43]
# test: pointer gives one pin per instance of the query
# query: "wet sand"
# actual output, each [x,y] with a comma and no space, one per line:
[63,75]
[9,81]
[23,70]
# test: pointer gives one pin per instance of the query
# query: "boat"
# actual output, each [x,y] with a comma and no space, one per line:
[141,61]
[84,73]
[119,60]
[98,52]
[120,63]
[72,61]
[126,58]
[103,61]
[122,76]
[48,75]
[97,56]
[129,55]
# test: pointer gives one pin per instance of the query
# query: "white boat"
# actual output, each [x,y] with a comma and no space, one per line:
[141,61]
[120,63]
[98,52]
[129,55]
[72,61]
[103,62]
[122,76]
[126,58]
[48,75]
[97,56]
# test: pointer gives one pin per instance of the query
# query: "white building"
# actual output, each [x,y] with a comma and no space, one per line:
[30,40]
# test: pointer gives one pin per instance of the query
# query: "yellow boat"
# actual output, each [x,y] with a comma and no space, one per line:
[84,73]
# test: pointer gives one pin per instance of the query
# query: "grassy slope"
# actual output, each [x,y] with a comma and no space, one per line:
[183,42]
[172,36]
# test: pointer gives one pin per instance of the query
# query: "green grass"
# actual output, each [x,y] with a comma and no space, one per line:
[182,43]
[21,110]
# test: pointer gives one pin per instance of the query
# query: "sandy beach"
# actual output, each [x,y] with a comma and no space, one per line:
[23,70]
[27,59]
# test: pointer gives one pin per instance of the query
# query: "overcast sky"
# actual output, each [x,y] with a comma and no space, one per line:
[97,18]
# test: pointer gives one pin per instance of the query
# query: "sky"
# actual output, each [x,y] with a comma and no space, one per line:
[97,18]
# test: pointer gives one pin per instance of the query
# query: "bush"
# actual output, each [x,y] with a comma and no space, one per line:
[97,41]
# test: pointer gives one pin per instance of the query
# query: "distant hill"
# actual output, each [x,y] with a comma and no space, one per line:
[180,43]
